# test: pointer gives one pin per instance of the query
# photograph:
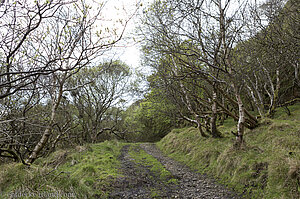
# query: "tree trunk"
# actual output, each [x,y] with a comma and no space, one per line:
[43,141]
[259,95]
[274,91]
[197,122]
[296,67]
[256,103]
[213,121]
[275,95]
[240,125]
[200,126]
[188,103]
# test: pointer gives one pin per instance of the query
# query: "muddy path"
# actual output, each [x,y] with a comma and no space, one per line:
[140,181]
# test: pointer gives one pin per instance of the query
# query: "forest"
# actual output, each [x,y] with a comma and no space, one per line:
[221,95]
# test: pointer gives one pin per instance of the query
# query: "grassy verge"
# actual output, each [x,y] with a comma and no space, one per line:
[268,167]
[142,158]
[84,172]
[157,170]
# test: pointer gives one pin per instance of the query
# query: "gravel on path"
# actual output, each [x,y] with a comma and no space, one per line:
[141,183]
[190,184]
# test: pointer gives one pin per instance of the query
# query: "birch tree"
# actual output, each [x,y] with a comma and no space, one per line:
[42,45]
[211,28]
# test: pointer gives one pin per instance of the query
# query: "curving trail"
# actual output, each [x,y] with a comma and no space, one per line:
[140,182]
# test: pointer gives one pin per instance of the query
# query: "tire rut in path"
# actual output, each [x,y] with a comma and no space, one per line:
[139,181]
[190,184]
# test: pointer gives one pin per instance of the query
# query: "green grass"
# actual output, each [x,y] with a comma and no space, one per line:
[84,172]
[267,167]
[155,193]
[141,157]
[158,171]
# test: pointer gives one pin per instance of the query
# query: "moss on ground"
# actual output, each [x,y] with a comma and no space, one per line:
[267,167]
[141,157]
[84,172]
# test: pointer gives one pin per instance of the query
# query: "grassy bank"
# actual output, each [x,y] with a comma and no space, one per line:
[83,172]
[267,167]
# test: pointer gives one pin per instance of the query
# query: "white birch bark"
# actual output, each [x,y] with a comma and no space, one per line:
[188,103]
[258,107]
[240,125]
[43,141]
[213,119]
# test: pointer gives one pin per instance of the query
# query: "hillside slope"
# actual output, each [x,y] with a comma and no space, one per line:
[267,167]
[82,172]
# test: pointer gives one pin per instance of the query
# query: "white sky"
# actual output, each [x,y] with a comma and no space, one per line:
[128,51]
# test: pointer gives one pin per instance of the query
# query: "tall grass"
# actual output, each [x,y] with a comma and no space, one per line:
[268,167]
[84,172]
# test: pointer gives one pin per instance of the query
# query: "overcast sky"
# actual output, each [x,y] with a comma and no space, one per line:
[129,49]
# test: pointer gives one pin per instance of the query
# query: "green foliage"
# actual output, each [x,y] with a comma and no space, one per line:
[84,172]
[151,119]
[267,167]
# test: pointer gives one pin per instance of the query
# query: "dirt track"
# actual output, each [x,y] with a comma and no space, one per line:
[140,182]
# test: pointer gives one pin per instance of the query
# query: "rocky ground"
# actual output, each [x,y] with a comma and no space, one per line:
[140,182]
